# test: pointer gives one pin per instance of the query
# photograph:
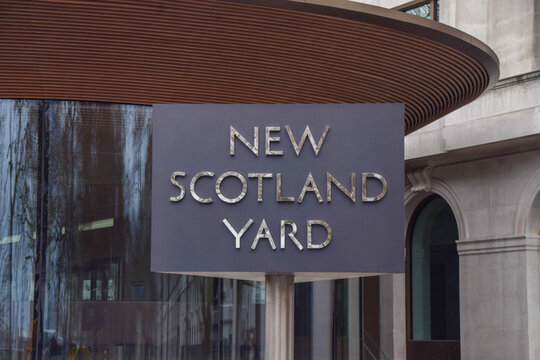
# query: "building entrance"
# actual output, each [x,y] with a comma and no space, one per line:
[433,282]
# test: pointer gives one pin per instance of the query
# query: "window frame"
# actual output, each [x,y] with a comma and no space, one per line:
[417,3]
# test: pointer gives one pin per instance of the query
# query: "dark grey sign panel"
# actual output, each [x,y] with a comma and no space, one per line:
[236,191]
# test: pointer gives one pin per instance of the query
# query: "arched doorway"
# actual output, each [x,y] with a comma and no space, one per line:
[433,282]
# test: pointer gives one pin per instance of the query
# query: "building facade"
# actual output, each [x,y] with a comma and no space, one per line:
[483,161]
[74,246]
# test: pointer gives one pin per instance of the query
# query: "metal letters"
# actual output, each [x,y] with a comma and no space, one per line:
[237,235]
[307,133]
[310,244]
[254,148]
[366,198]
[332,180]
[239,177]
[260,177]
[192,187]
[279,197]
[291,235]
[263,233]
[176,183]
[310,185]
[270,139]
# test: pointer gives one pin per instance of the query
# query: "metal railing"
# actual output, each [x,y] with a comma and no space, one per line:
[370,349]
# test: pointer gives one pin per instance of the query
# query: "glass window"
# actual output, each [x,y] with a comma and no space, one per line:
[100,295]
[332,320]
[18,215]
[422,11]
[434,273]
[83,171]
[303,310]
[95,294]
[428,9]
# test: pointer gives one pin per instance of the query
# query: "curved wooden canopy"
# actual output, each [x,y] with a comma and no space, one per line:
[239,51]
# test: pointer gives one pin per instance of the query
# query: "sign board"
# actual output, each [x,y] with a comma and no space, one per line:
[245,190]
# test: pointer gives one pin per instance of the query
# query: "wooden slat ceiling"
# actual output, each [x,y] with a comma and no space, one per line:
[238,51]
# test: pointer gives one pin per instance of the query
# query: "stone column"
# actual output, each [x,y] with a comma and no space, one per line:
[323,308]
[499,298]
[393,321]
[279,335]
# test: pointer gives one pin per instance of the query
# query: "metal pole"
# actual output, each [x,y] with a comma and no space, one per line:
[279,335]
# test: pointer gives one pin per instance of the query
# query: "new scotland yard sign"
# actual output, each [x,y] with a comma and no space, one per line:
[246,190]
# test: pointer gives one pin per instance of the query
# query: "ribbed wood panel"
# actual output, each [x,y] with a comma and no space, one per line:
[235,51]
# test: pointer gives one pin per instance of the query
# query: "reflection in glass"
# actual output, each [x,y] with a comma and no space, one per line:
[95,294]
[422,11]
[435,273]
[328,323]
[100,295]
[18,191]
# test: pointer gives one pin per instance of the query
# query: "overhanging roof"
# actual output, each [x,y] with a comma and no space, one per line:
[239,51]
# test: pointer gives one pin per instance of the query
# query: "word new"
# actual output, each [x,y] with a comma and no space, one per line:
[271,138]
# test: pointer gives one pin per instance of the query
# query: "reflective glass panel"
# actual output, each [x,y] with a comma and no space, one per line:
[422,11]
[83,171]
[435,273]
[18,216]
[328,322]
[96,297]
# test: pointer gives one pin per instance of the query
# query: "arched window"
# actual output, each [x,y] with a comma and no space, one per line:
[434,273]
[534,217]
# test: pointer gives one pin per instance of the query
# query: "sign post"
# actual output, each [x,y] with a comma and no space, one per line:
[279,319]
[278,193]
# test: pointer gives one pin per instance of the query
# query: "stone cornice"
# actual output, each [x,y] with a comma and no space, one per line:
[487,245]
